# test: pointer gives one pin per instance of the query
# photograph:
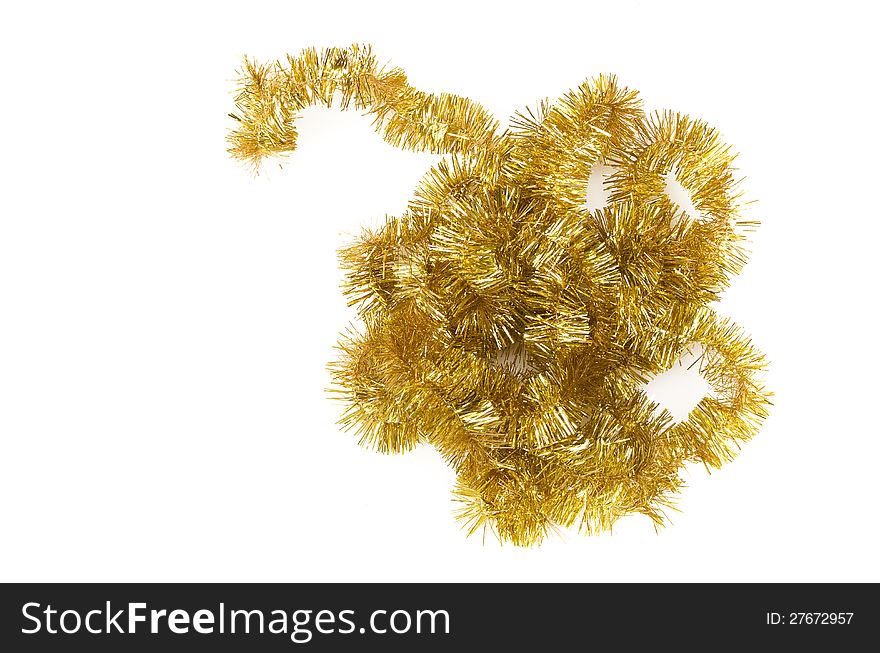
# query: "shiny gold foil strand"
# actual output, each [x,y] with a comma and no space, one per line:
[270,97]
[510,327]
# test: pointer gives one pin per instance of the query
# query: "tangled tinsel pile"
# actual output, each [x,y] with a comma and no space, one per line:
[511,327]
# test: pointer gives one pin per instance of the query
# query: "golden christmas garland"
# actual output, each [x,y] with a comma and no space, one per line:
[509,326]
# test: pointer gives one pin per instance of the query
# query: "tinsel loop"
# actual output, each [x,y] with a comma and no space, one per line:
[511,327]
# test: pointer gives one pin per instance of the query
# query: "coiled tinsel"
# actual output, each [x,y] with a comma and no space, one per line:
[511,327]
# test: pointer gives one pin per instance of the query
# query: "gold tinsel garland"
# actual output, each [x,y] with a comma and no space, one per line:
[509,326]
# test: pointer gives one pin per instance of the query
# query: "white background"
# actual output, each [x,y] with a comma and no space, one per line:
[166,318]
